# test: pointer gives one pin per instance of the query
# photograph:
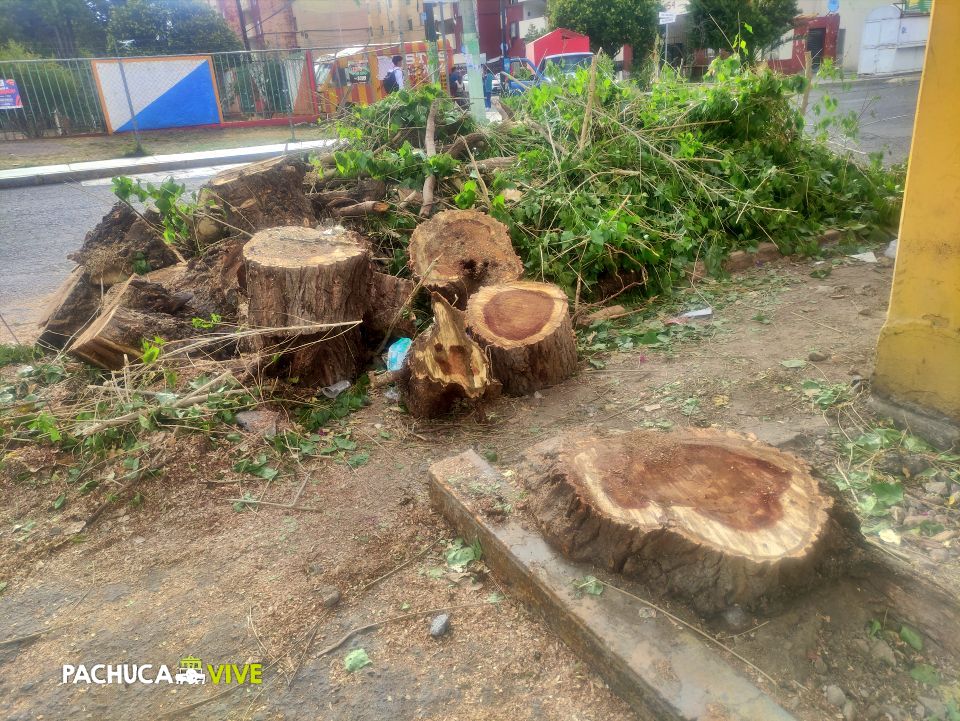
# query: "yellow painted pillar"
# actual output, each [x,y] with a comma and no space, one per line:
[918,354]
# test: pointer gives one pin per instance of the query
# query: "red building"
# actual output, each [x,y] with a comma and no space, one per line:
[814,34]
[498,24]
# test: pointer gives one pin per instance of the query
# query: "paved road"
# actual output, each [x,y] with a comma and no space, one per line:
[886,109]
[39,226]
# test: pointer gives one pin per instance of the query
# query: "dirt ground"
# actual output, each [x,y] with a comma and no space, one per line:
[184,573]
[52,151]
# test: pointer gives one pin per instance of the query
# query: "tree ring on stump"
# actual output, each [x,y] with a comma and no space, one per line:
[467,250]
[296,247]
[712,516]
[526,330]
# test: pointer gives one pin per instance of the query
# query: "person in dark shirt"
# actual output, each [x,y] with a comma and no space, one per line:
[487,87]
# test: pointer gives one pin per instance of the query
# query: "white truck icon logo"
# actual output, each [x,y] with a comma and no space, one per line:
[190,672]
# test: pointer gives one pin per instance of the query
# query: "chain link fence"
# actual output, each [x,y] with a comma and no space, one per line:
[70,97]
[57,97]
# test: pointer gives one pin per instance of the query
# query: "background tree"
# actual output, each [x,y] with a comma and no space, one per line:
[610,24]
[760,23]
[56,28]
[168,27]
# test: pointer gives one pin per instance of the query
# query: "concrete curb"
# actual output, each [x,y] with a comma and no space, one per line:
[75,172]
[628,651]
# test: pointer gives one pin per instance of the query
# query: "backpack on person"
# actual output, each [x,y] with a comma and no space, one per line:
[390,84]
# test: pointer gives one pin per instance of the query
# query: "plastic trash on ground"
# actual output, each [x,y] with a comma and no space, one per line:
[699,313]
[336,389]
[397,353]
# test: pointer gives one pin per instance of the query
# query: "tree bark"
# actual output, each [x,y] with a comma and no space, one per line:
[74,305]
[525,329]
[458,251]
[446,366]
[257,196]
[136,311]
[715,518]
[298,276]
[387,314]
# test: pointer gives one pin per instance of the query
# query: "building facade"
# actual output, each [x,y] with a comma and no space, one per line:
[270,24]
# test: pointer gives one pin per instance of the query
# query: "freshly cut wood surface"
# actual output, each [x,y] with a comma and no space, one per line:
[714,517]
[446,366]
[458,251]
[136,311]
[526,330]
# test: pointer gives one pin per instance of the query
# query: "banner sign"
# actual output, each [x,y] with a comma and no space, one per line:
[10,95]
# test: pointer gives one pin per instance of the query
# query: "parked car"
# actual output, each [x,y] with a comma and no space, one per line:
[521,73]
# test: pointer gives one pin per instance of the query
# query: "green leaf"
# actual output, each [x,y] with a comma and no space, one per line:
[911,637]
[793,363]
[356,659]
[459,554]
[358,459]
[589,584]
[61,500]
[925,674]
[888,494]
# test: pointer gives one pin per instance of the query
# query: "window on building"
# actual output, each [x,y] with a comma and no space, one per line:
[409,23]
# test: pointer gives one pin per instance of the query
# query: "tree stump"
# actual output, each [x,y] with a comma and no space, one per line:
[254,197]
[458,251]
[136,311]
[299,277]
[526,330]
[445,366]
[74,305]
[713,517]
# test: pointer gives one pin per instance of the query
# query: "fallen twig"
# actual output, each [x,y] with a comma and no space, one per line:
[704,634]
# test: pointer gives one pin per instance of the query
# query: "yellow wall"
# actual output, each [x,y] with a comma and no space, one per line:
[918,354]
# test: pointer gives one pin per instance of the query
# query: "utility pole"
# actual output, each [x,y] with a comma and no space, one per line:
[471,43]
[243,26]
[430,32]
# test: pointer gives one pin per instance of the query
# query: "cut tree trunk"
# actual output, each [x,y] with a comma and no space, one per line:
[300,276]
[458,251]
[136,311]
[526,330]
[257,196]
[387,314]
[445,366]
[71,309]
[715,518]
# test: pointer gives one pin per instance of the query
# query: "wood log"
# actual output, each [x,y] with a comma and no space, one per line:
[460,148]
[446,366]
[492,165]
[387,314]
[458,251]
[526,331]
[713,517]
[297,276]
[74,306]
[361,210]
[136,311]
[254,197]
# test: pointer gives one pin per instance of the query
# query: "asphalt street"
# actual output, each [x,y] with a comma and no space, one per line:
[885,108]
[39,226]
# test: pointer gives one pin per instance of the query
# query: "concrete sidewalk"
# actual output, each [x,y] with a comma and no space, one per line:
[73,172]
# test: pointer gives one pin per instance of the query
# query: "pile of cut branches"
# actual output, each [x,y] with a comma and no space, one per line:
[598,179]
